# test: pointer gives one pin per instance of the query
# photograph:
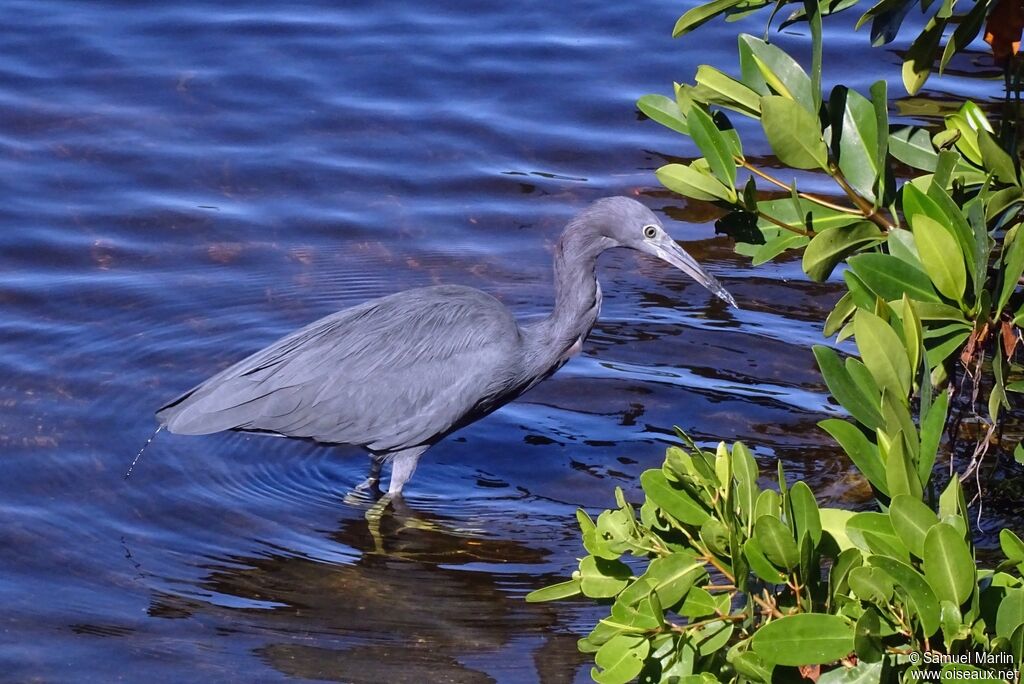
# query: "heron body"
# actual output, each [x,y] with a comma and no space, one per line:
[397,374]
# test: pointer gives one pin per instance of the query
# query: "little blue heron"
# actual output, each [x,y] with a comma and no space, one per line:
[397,374]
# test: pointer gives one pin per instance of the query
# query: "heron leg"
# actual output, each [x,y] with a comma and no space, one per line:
[372,482]
[403,465]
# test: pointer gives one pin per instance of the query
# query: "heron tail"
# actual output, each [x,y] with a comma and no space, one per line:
[139,455]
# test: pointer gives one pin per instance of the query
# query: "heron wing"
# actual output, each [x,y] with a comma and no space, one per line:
[390,373]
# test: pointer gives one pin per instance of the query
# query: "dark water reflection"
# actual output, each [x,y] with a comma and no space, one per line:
[186,182]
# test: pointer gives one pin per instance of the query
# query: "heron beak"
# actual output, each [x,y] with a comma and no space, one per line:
[667,250]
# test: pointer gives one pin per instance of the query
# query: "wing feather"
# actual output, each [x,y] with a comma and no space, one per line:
[390,373]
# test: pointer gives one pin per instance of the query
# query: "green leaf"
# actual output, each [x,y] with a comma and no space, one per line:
[858,144]
[621,658]
[603,578]
[675,502]
[713,146]
[1011,544]
[730,92]
[931,434]
[891,278]
[777,246]
[805,511]
[995,159]
[918,593]
[701,14]
[555,592]
[745,473]
[776,541]
[781,72]
[882,352]
[827,248]
[919,59]
[913,147]
[804,639]
[793,133]
[862,452]
[871,584]
[1013,265]
[941,255]
[803,214]
[833,521]
[665,111]
[948,564]
[698,603]
[690,182]
[672,576]
[900,471]
[849,395]
[1011,613]
[966,31]
[874,532]
[759,563]
[911,519]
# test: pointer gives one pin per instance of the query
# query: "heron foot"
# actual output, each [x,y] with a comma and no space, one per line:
[374,515]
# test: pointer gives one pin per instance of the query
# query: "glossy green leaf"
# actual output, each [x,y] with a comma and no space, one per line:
[941,256]
[603,578]
[672,576]
[931,434]
[845,390]
[858,144]
[759,563]
[917,64]
[698,603]
[1011,613]
[995,159]
[675,502]
[804,639]
[665,111]
[913,586]
[621,658]
[555,592]
[891,278]
[966,31]
[827,248]
[833,521]
[773,248]
[1013,265]
[1011,544]
[776,541]
[882,352]
[690,182]
[948,564]
[793,133]
[873,532]
[701,14]
[913,146]
[911,519]
[729,90]
[782,73]
[871,584]
[713,146]
[805,511]
[900,470]
[860,450]
[745,473]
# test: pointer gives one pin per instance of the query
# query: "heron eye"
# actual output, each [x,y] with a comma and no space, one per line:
[650,232]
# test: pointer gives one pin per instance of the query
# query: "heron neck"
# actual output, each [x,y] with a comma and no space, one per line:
[577,293]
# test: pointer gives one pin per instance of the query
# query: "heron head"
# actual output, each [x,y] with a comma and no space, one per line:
[624,222]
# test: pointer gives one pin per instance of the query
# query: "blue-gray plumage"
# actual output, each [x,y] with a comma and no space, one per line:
[397,374]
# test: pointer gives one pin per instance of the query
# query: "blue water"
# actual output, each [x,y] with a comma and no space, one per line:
[185,182]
